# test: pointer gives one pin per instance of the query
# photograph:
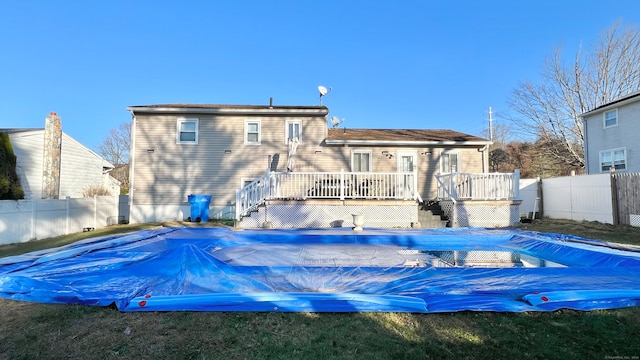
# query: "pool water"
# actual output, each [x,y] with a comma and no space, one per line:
[453,258]
[360,255]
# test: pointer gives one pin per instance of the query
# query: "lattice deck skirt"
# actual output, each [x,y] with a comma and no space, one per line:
[333,213]
[482,213]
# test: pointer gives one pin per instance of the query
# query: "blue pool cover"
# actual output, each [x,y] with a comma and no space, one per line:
[320,270]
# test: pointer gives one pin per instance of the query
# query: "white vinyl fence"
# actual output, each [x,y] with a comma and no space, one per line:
[25,220]
[586,197]
[530,199]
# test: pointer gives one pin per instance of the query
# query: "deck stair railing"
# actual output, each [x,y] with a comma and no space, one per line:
[325,185]
[253,195]
[479,186]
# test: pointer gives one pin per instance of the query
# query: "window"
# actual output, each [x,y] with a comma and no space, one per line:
[187,131]
[293,129]
[406,163]
[616,159]
[611,118]
[361,161]
[449,162]
[252,132]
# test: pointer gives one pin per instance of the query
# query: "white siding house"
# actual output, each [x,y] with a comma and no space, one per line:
[80,167]
[611,136]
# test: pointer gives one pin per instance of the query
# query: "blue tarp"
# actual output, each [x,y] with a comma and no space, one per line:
[321,270]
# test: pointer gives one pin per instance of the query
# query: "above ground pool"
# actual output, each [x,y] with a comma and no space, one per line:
[322,270]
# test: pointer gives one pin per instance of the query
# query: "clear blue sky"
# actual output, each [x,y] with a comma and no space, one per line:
[391,64]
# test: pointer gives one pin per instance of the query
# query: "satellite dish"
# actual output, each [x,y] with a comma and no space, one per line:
[323,91]
[335,121]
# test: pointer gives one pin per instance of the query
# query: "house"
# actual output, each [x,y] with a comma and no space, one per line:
[184,149]
[610,136]
[52,165]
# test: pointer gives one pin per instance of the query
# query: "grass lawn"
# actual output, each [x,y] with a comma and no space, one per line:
[40,331]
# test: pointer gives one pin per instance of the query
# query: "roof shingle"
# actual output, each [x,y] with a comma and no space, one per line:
[420,135]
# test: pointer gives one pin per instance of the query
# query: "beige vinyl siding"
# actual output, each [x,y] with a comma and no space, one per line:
[173,171]
[165,173]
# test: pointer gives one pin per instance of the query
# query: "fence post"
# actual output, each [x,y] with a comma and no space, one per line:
[33,219]
[66,228]
[540,197]
[614,197]
[95,211]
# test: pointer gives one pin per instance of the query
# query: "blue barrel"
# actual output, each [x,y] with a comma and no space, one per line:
[199,207]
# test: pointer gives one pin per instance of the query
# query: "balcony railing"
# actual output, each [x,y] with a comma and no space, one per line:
[479,186]
[325,185]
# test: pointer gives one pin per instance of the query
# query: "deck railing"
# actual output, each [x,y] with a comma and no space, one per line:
[325,185]
[479,186]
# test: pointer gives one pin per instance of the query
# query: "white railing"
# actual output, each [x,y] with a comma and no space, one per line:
[315,185]
[253,195]
[479,186]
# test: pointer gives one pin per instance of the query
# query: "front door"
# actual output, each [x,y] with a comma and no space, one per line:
[407,169]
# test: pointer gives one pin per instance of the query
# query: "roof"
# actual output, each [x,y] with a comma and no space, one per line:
[620,101]
[224,106]
[229,109]
[19,130]
[335,136]
[402,136]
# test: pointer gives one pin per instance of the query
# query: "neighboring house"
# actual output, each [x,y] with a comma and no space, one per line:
[611,136]
[183,149]
[75,167]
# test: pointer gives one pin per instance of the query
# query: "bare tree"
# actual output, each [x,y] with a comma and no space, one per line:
[550,109]
[500,134]
[115,149]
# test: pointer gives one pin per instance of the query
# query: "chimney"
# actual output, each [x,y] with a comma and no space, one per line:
[52,157]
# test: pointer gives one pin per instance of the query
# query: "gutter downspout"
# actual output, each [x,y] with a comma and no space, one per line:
[485,161]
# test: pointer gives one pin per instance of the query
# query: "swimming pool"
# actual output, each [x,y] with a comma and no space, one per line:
[322,270]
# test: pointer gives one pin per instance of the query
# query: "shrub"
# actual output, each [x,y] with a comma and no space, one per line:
[96,190]
[10,188]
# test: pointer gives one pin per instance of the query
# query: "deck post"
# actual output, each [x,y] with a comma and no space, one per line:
[516,184]
[452,185]
[454,215]
[238,204]
[414,194]
[341,184]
